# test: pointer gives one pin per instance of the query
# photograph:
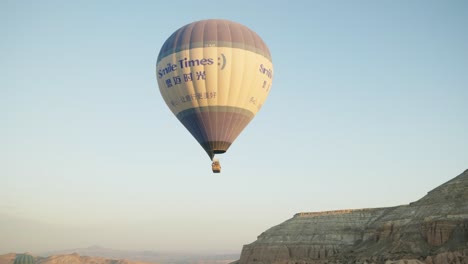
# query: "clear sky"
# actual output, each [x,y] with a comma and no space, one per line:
[368,108]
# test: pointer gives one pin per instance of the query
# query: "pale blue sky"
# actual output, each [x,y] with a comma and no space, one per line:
[368,108]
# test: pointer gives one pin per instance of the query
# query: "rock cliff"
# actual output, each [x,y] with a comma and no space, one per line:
[432,230]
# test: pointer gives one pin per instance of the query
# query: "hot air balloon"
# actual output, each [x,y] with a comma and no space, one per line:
[214,75]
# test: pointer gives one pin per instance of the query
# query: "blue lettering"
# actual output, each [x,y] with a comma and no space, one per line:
[170,68]
[265,71]
[185,63]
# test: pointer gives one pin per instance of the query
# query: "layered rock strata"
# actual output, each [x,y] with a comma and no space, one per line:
[432,230]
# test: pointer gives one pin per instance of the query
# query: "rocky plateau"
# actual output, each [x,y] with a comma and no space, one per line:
[432,230]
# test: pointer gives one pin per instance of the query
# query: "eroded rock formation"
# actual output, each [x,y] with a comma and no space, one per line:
[432,230]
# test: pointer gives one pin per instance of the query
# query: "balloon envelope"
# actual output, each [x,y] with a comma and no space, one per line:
[214,75]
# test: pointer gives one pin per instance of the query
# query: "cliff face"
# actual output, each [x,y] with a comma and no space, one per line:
[432,230]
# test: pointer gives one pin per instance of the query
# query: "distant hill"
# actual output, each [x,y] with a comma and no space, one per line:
[13,258]
[102,255]
[432,230]
[7,258]
[149,256]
